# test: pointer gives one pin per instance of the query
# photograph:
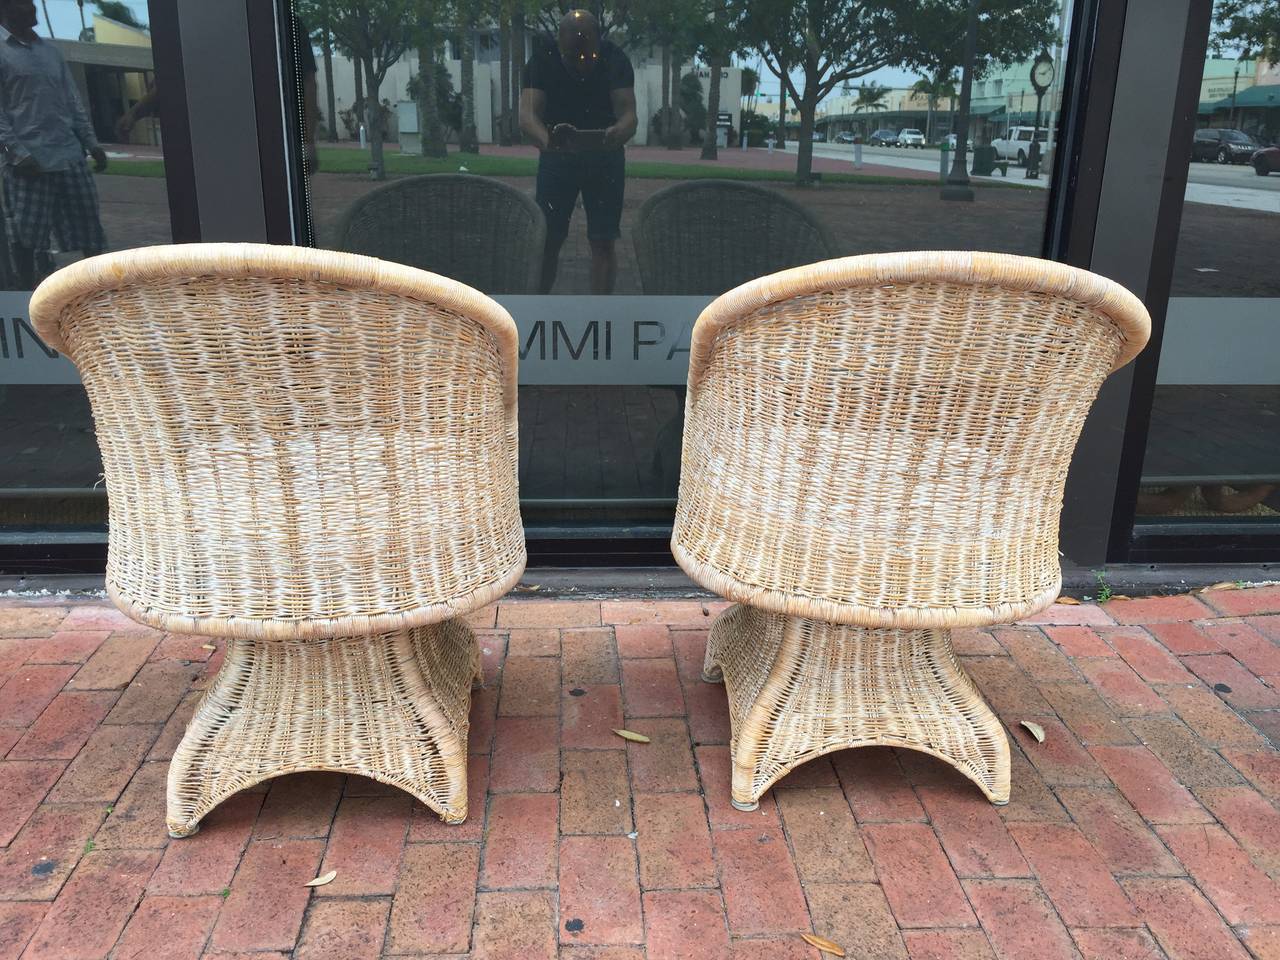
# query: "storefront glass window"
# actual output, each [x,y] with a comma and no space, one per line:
[83,172]
[1212,461]
[606,173]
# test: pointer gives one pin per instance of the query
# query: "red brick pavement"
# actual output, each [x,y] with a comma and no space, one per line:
[1145,826]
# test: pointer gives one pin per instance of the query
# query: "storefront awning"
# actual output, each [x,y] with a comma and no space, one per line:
[1267,95]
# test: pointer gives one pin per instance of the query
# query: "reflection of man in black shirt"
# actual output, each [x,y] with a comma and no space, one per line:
[578,104]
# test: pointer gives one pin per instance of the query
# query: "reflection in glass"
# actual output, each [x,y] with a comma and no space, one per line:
[1212,461]
[664,148]
[82,173]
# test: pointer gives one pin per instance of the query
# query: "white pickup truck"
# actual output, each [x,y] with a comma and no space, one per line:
[1016,144]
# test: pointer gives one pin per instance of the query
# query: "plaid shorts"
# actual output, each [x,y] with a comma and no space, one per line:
[60,203]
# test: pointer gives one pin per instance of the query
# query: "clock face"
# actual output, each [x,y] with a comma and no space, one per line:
[1042,73]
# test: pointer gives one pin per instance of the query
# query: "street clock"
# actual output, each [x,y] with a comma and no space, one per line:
[1042,72]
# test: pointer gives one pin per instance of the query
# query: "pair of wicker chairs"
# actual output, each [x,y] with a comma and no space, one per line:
[313,455]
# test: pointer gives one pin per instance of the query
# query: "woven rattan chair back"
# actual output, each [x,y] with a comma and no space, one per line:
[883,440]
[708,236]
[297,443]
[475,230]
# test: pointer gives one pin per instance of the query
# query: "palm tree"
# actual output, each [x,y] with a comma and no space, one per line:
[941,84]
[750,86]
[871,98]
[468,137]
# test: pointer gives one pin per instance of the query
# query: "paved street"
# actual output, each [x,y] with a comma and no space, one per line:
[1229,186]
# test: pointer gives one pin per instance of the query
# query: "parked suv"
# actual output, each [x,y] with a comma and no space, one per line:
[1016,144]
[884,138]
[911,137]
[1224,146]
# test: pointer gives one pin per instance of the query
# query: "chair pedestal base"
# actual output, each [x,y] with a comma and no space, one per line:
[392,707]
[800,688]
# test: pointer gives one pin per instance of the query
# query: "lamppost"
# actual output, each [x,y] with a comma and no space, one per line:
[957,185]
[1235,82]
[1042,73]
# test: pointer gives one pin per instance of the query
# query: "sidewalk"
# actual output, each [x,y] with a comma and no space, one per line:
[1143,827]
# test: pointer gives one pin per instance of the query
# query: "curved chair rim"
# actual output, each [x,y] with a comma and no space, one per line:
[317,627]
[404,183]
[974,267]
[767,193]
[794,604]
[269,261]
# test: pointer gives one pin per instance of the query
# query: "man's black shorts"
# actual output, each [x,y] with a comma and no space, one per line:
[598,176]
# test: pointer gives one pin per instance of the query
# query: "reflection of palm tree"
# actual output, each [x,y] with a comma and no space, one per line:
[468,137]
[750,86]
[941,84]
[870,98]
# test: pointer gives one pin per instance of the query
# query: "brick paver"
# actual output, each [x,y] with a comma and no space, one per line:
[1144,826]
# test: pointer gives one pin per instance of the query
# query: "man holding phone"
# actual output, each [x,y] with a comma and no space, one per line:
[578,105]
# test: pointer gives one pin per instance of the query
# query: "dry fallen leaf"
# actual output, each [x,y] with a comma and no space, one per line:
[528,587]
[823,944]
[1035,729]
[207,646]
[632,736]
[1068,601]
[1224,585]
[1120,596]
[321,881]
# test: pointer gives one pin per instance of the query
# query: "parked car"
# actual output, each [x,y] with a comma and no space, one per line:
[950,141]
[884,138]
[846,136]
[1266,160]
[1223,146]
[819,137]
[911,137]
[1016,144]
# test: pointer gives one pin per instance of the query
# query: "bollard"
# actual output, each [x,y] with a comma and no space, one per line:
[770,142]
[943,166]
[363,144]
[857,155]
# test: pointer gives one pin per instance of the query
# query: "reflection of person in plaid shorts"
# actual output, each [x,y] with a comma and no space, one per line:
[49,192]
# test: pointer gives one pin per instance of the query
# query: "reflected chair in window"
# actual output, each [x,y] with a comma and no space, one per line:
[875,453]
[311,455]
[472,229]
[708,236]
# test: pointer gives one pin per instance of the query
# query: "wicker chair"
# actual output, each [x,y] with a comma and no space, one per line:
[708,236]
[472,229]
[313,455]
[875,453]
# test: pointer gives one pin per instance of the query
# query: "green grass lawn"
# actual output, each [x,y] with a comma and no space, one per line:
[357,162]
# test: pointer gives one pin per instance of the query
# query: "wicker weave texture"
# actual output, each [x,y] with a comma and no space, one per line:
[473,229]
[884,440]
[708,236]
[800,688]
[392,707]
[297,443]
